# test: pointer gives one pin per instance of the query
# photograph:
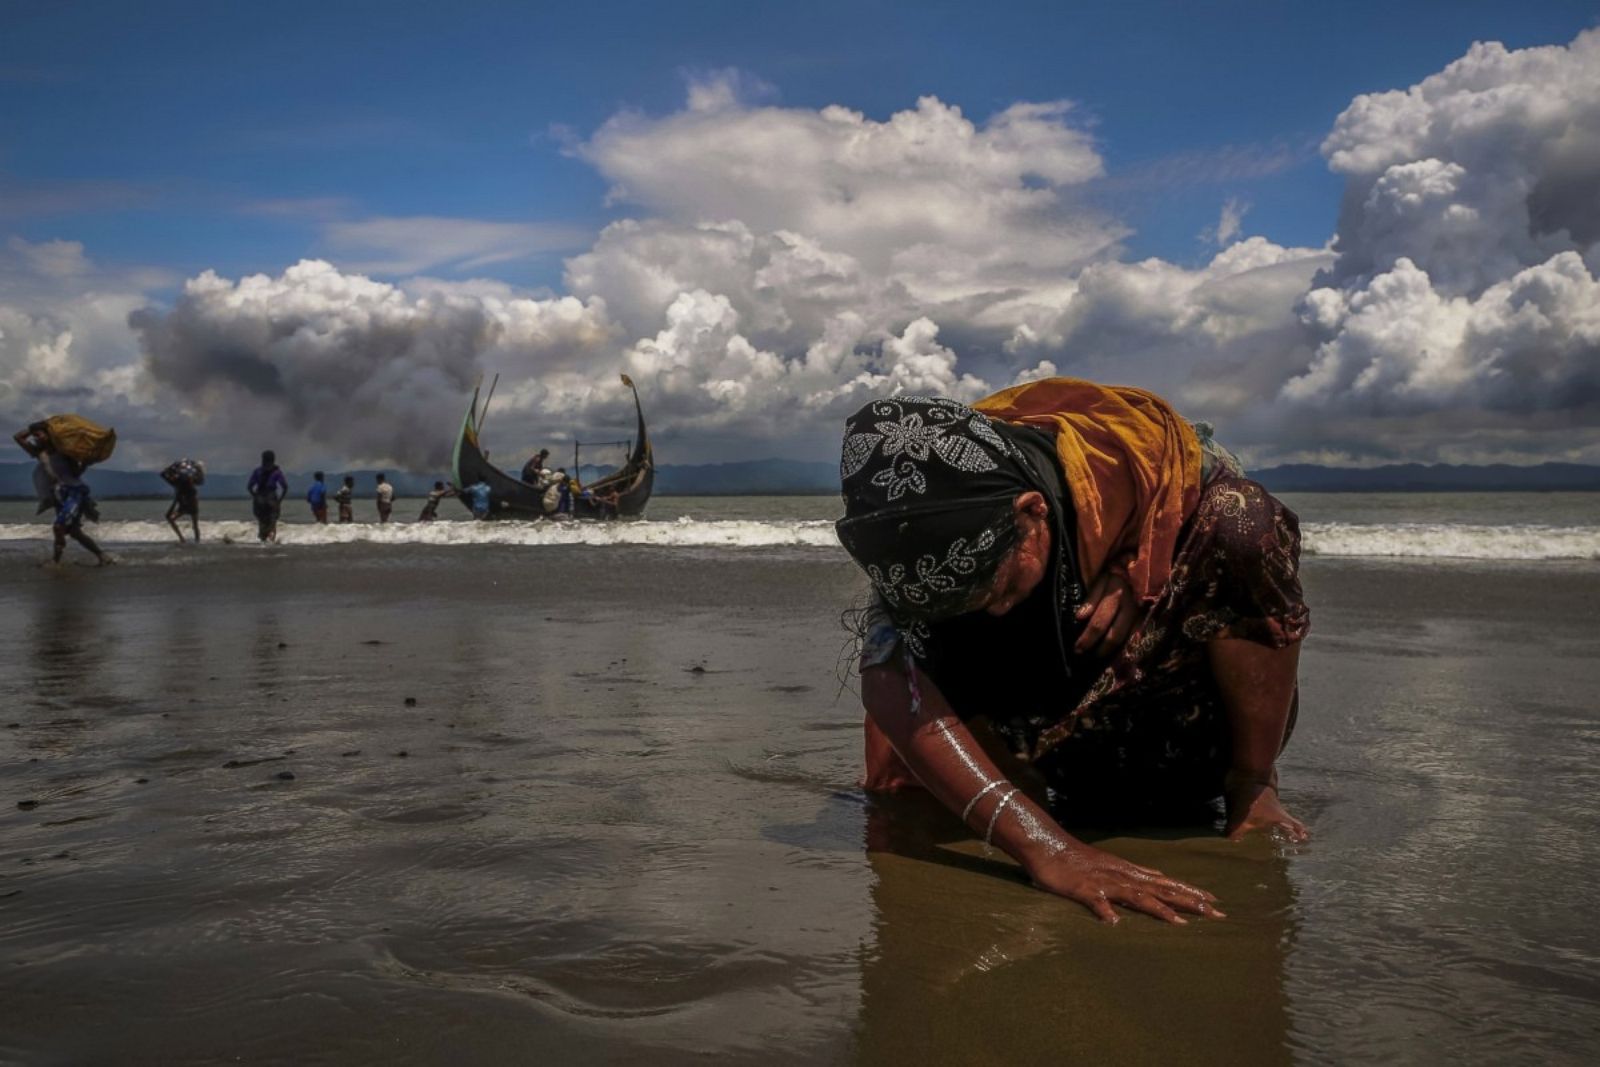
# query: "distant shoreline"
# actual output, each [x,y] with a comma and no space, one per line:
[816,479]
[29,498]
[1342,491]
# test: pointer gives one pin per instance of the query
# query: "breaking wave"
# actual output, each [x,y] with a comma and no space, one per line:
[1452,541]
[730,533]
[1405,540]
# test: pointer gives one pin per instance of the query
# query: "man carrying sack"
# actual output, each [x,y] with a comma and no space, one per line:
[65,446]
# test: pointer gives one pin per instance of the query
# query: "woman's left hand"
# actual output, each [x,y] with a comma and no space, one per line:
[1255,806]
[1111,610]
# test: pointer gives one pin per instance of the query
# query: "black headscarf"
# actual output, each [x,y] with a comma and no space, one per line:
[929,488]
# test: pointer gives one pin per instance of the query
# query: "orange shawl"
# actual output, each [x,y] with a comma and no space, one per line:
[1132,466]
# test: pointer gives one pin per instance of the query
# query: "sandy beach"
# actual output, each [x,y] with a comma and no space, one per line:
[412,804]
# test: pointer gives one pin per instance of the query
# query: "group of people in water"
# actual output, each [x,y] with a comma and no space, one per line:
[560,492]
[557,489]
[61,487]
[268,487]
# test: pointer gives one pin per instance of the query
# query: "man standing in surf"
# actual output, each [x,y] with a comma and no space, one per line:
[345,497]
[267,488]
[385,499]
[185,476]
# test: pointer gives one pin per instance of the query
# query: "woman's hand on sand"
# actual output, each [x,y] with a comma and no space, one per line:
[1101,882]
[1108,614]
[1255,806]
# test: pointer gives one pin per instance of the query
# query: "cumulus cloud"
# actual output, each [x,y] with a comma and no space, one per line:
[948,206]
[704,366]
[1400,344]
[1214,338]
[364,369]
[1467,257]
[64,341]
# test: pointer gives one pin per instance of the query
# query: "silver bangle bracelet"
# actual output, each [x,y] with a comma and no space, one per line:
[979,795]
[998,808]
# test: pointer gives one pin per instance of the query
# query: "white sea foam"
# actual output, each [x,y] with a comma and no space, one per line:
[1451,541]
[682,532]
[1413,540]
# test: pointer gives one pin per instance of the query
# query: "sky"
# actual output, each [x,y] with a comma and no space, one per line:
[1350,234]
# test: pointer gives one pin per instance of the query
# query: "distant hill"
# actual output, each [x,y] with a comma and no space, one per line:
[800,477]
[1430,478]
[16,480]
[748,477]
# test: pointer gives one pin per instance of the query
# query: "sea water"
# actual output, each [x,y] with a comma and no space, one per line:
[1463,526]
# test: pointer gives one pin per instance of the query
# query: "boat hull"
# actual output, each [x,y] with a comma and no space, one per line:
[512,498]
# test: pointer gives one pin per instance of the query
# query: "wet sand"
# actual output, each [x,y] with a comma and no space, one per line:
[619,824]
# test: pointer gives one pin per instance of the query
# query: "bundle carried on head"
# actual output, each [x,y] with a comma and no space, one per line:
[192,469]
[79,439]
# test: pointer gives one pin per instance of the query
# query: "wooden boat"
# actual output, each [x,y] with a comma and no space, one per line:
[512,498]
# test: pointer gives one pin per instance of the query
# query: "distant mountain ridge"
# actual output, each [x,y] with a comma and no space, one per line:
[803,477]
[1431,478]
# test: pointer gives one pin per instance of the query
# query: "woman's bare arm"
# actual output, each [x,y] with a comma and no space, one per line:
[28,439]
[923,729]
[1257,684]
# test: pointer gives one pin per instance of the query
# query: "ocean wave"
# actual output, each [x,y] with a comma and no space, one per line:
[728,533]
[1451,541]
[1332,539]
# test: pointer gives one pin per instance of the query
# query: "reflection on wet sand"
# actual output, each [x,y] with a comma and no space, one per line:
[576,847]
[969,964]
[65,644]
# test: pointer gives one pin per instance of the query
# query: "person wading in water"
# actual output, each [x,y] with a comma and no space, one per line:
[267,488]
[185,476]
[345,497]
[70,494]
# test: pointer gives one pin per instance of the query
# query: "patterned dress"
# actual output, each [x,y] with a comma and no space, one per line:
[1146,728]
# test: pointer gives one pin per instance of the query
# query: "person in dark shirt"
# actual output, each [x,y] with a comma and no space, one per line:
[267,488]
[345,497]
[317,497]
[185,476]
[430,510]
[534,467]
[72,500]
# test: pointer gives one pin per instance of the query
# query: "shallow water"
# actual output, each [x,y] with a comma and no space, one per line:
[1420,526]
[620,823]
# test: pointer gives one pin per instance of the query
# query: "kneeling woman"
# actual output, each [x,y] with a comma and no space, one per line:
[1076,564]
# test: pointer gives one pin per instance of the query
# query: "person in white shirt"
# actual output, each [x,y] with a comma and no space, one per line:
[385,498]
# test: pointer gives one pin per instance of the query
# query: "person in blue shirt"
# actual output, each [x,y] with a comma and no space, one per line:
[477,495]
[317,497]
[267,488]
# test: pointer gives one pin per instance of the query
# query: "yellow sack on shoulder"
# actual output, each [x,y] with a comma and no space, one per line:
[77,438]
